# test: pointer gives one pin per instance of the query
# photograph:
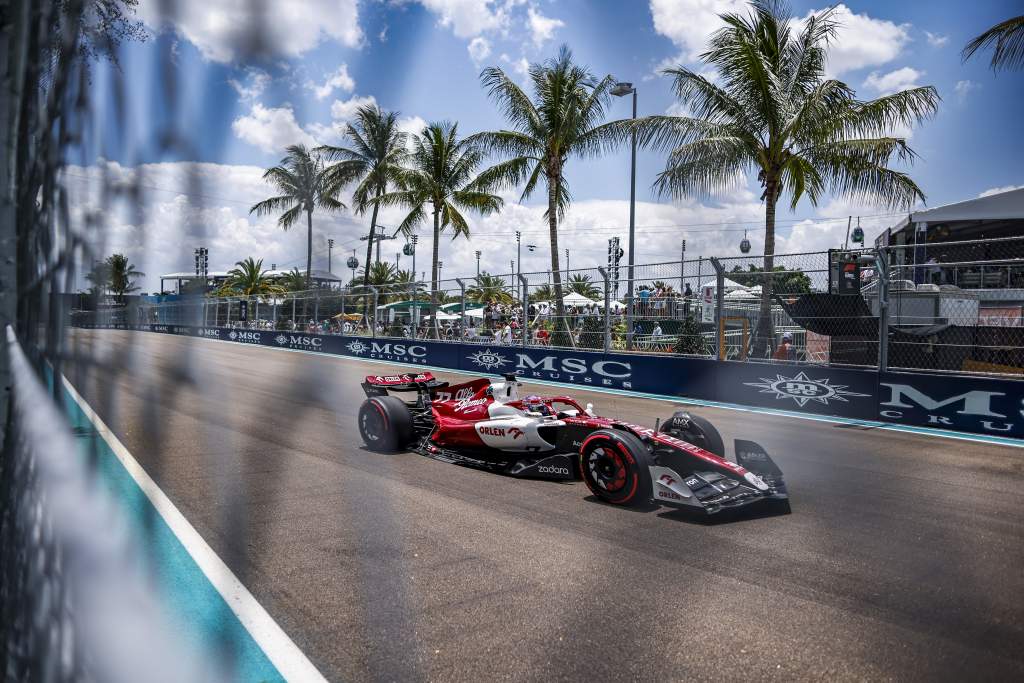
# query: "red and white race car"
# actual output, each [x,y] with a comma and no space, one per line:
[485,423]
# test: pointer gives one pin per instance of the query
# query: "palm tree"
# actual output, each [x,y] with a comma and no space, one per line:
[584,286]
[1008,38]
[375,159]
[541,293]
[489,289]
[121,276]
[441,173]
[248,278]
[293,281]
[773,111]
[562,121]
[304,186]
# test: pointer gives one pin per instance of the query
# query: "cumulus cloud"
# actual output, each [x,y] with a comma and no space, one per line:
[479,49]
[965,88]
[863,41]
[936,39]
[345,110]
[271,128]
[999,190]
[468,18]
[541,27]
[339,80]
[223,30]
[688,23]
[894,81]
[252,87]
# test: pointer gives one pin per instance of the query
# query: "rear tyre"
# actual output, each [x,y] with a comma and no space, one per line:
[385,424]
[615,465]
[698,431]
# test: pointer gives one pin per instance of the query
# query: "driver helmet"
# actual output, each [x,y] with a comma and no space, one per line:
[535,404]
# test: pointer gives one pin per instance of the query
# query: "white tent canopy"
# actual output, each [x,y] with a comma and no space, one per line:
[1003,206]
[616,305]
[730,285]
[441,315]
[575,299]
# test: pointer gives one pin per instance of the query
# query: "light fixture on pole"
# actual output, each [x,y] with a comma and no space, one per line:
[478,263]
[567,262]
[621,90]
[397,255]
[330,249]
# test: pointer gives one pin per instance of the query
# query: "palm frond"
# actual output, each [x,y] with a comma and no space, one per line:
[1007,37]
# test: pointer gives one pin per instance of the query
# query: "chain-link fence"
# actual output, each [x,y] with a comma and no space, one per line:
[957,309]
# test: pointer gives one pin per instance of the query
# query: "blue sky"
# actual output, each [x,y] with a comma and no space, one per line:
[423,58]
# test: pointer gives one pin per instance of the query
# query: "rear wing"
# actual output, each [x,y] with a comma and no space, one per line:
[380,385]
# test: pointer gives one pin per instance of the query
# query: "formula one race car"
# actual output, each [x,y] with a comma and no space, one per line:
[485,424]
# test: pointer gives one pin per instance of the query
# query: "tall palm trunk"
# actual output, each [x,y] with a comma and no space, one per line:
[369,242]
[433,273]
[309,247]
[561,336]
[764,339]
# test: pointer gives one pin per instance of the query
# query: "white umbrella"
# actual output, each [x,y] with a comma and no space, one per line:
[474,312]
[730,285]
[575,299]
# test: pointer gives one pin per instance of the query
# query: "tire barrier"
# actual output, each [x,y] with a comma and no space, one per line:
[974,404]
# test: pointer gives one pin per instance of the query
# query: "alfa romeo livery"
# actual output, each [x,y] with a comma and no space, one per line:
[486,424]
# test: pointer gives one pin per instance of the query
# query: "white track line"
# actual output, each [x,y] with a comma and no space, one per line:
[283,653]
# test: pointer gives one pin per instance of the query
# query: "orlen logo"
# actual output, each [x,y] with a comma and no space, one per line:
[515,432]
[493,431]
[552,469]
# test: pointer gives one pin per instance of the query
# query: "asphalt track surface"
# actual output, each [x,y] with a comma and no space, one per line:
[903,557]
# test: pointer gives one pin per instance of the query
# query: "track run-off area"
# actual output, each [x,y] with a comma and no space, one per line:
[902,557]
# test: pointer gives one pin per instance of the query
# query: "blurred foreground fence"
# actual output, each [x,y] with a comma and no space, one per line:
[856,308]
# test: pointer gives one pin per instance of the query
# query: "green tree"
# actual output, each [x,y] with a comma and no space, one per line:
[304,188]
[374,160]
[248,278]
[115,275]
[1008,39]
[584,286]
[562,121]
[489,289]
[772,111]
[541,293]
[783,281]
[691,341]
[441,174]
[293,281]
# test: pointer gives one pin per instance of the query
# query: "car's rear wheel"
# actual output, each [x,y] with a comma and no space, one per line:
[385,424]
[696,430]
[615,465]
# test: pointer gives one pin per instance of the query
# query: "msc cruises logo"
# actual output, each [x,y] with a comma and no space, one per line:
[803,389]
[357,347]
[488,360]
[281,339]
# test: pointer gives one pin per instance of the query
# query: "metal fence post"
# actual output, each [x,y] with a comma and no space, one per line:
[375,297]
[882,265]
[462,304]
[607,311]
[316,307]
[294,319]
[227,322]
[524,298]
[719,304]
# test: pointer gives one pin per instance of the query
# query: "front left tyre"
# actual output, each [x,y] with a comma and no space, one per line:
[385,424]
[616,467]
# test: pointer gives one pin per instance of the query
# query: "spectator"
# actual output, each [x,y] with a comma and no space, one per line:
[505,336]
[785,350]
[657,330]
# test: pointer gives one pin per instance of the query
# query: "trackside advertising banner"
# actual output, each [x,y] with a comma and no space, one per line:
[971,404]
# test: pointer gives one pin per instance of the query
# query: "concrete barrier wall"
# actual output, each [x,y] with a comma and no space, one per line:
[961,402]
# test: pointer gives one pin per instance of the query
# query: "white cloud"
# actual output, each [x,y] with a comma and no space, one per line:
[270,128]
[999,190]
[688,23]
[222,30]
[345,110]
[468,18]
[894,81]
[964,88]
[412,125]
[541,27]
[862,41]
[255,83]
[339,80]
[479,49]
[936,39]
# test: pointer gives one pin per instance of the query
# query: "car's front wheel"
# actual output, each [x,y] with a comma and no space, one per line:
[615,466]
[385,424]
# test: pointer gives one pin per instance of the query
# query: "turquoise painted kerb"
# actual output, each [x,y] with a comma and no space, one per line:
[194,607]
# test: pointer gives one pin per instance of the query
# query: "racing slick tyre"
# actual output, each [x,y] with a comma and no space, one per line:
[385,424]
[615,465]
[696,430]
